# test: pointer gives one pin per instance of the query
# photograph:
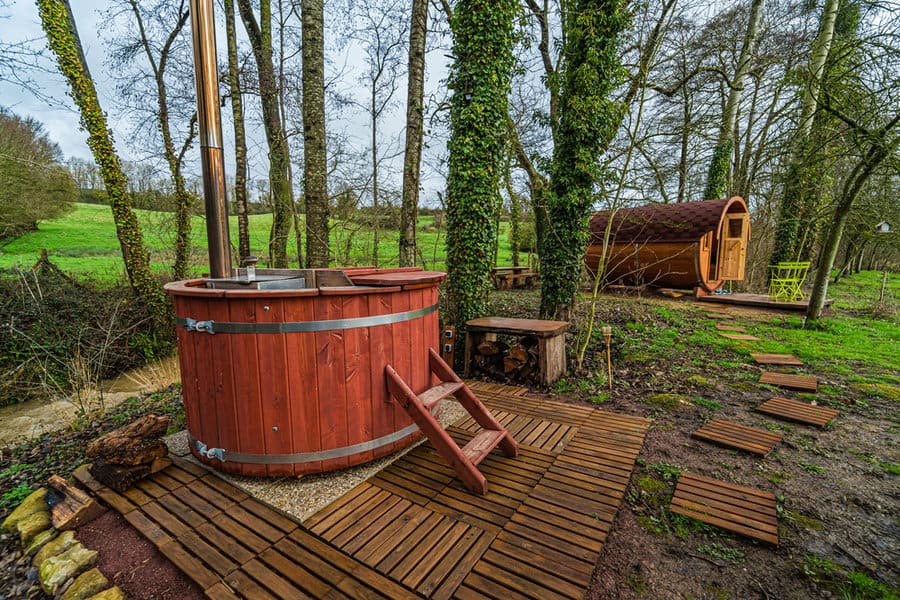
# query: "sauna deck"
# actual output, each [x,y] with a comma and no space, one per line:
[412,530]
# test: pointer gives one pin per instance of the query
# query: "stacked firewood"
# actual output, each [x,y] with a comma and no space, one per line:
[128,454]
[517,361]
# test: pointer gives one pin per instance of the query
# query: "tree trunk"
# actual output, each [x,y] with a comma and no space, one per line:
[418,32]
[795,183]
[315,183]
[260,35]
[240,138]
[58,23]
[375,208]
[719,167]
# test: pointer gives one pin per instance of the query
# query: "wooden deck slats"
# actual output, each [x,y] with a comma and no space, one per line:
[776,359]
[750,439]
[744,337]
[800,412]
[535,534]
[233,546]
[747,511]
[785,380]
[733,328]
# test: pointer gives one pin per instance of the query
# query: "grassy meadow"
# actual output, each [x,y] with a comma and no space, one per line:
[84,242]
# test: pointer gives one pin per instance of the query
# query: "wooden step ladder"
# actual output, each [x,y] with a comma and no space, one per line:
[419,406]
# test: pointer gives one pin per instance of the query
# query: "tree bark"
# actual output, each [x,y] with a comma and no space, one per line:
[315,185]
[260,35]
[717,179]
[793,197]
[58,23]
[240,137]
[418,32]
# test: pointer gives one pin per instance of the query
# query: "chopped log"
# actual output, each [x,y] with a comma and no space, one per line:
[70,507]
[139,454]
[118,477]
[510,364]
[159,464]
[519,353]
[488,349]
[124,439]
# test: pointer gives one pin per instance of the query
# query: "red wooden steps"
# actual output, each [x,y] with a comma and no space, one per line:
[463,460]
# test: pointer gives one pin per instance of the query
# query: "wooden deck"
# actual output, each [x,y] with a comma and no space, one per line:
[750,439]
[758,301]
[412,530]
[800,412]
[535,534]
[777,359]
[806,383]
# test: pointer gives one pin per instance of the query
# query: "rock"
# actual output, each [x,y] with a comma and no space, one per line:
[60,544]
[30,505]
[90,583]
[39,540]
[32,525]
[56,570]
[113,593]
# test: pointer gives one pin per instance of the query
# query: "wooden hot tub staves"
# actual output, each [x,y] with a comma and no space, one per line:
[290,382]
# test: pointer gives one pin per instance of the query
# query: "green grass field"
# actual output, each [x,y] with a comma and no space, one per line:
[84,242]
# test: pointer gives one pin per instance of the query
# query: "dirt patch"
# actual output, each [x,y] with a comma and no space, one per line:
[133,563]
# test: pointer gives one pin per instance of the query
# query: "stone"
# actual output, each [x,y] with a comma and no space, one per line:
[113,593]
[58,545]
[90,583]
[56,570]
[40,540]
[37,501]
[32,525]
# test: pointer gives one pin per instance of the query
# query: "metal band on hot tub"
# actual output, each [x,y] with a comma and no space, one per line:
[213,327]
[301,457]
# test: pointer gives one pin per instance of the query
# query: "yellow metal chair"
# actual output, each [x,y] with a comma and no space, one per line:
[786,280]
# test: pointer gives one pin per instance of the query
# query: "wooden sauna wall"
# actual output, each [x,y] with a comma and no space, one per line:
[675,265]
[322,390]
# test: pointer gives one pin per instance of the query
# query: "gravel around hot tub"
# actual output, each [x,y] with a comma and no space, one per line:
[304,496]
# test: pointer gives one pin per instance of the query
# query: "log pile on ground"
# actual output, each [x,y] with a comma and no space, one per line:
[517,361]
[127,455]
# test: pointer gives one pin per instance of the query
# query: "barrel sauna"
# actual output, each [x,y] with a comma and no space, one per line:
[291,381]
[698,245]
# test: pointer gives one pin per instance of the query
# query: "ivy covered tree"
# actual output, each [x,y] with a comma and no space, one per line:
[588,120]
[58,23]
[483,37]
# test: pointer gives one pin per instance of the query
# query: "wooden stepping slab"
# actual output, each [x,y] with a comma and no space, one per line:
[750,439]
[735,508]
[801,412]
[716,315]
[794,382]
[740,336]
[731,328]
[777,359]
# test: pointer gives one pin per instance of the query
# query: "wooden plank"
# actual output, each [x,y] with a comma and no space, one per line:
[223,487]
[800,412]
[797,382]
[185,513]
[259,526]
[196,502]
[218,562]
[713,502]
[270,515]
[776,359]
[244,585]
[188,564]
[148,528]
[164,518]
[296,572]
[388,538]
[741,336]
[223,542]
[220,591]
[733,328]
[435,555]
[733,435]
[540,575]
[537,327]
[272,581]
[245,535]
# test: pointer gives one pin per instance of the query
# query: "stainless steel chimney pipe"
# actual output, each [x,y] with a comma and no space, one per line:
[212,160]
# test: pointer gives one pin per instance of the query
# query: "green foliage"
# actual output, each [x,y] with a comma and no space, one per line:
[483,38]
[588,120]
[717,550]
[14,496]
[33,184]
[852,585]
[719,168]
[710,404]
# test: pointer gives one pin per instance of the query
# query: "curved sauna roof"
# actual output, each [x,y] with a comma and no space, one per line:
[685,222]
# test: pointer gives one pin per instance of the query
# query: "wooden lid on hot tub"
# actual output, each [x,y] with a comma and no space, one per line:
[393,277]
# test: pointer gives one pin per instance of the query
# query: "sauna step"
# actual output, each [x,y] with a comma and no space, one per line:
[463,460]
[482,444]
[430,397]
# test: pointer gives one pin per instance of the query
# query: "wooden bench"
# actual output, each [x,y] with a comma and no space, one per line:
[510,277]
[550,334]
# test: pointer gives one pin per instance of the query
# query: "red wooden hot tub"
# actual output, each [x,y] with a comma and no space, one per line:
[289,382]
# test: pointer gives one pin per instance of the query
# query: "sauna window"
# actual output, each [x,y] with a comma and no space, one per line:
[735,227]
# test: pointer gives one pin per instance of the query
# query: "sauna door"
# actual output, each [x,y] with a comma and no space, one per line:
[733,247]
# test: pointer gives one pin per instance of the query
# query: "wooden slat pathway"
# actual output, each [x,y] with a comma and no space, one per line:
[785,380]
[740,336]
[718,315]
[233,546]
[535,534]
[744,510]
[734,328]
[776,359]
[801,412]
[750,439]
